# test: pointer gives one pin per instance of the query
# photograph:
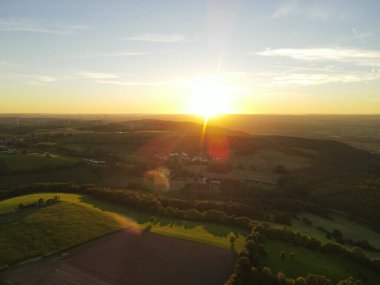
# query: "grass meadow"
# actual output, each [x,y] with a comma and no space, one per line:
[80,218]
[35,161]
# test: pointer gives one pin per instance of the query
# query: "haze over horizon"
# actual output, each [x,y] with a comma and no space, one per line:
[203,57]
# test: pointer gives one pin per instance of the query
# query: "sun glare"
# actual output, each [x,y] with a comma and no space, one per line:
[210,98]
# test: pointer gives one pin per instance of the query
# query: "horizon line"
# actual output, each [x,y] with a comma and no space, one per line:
[192,114]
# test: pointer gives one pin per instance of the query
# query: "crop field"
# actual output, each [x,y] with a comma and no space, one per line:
[258,166]
[78,218]
[266,160]
[249,175]
[129,257]
[35,161]
[39,232]
[82,174]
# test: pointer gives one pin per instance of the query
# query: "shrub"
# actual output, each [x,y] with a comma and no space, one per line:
[300,281]
[153,220]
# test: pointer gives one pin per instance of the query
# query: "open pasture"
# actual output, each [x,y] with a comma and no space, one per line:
[35,161]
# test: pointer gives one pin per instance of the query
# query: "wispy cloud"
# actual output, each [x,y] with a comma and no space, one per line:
[97,75]
[160,38]
[116,54]
[7,63]
[143,83]
[305,9]
[347,69]
[31,27]
[359,37]
[41,80]
[285,9]
[358,56]
[308,79]
[48,78]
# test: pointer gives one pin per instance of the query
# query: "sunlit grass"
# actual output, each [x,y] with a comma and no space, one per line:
[42,231]
[79,218]
[311,261]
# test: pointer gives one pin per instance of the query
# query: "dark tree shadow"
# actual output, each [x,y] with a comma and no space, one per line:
[233,249]
[148,228]
[138,217]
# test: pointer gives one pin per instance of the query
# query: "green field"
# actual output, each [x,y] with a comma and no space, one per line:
[79,218]
[81,174]
[309,261]
[35,161]
[43,231]
[349,229]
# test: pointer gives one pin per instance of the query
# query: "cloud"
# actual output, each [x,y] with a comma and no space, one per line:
[42,80]
[308,79]
[305,9]
[142,83]
[7,63]
[351,66]
[357,56]
[30,27]
[285,9]
[358,36]
[46,79]
[96,75]
[117,54]
[160,38]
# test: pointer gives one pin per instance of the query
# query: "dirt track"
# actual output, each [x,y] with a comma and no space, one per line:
[130,258]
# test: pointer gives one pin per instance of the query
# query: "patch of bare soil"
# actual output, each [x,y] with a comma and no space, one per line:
[131,258]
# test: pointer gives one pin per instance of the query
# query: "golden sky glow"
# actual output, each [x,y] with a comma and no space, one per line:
[202,57]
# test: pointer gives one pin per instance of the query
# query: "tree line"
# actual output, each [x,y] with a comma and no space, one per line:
[250,270]
[205,211]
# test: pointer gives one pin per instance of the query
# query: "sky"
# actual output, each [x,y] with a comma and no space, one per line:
[171,56]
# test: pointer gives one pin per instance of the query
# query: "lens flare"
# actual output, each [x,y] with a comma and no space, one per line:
[158,179]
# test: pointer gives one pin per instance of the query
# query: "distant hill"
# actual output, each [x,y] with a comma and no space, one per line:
[148,125]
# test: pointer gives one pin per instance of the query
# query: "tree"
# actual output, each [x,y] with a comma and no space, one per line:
[282,255]
[281,279]
[349,281]
[232,240]
[153,220]
[337,234]
[267,276]
[317,279]
[300,281]
[243,266]
[193,215]
[358,252]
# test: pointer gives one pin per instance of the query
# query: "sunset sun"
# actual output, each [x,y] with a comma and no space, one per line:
[210,98]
